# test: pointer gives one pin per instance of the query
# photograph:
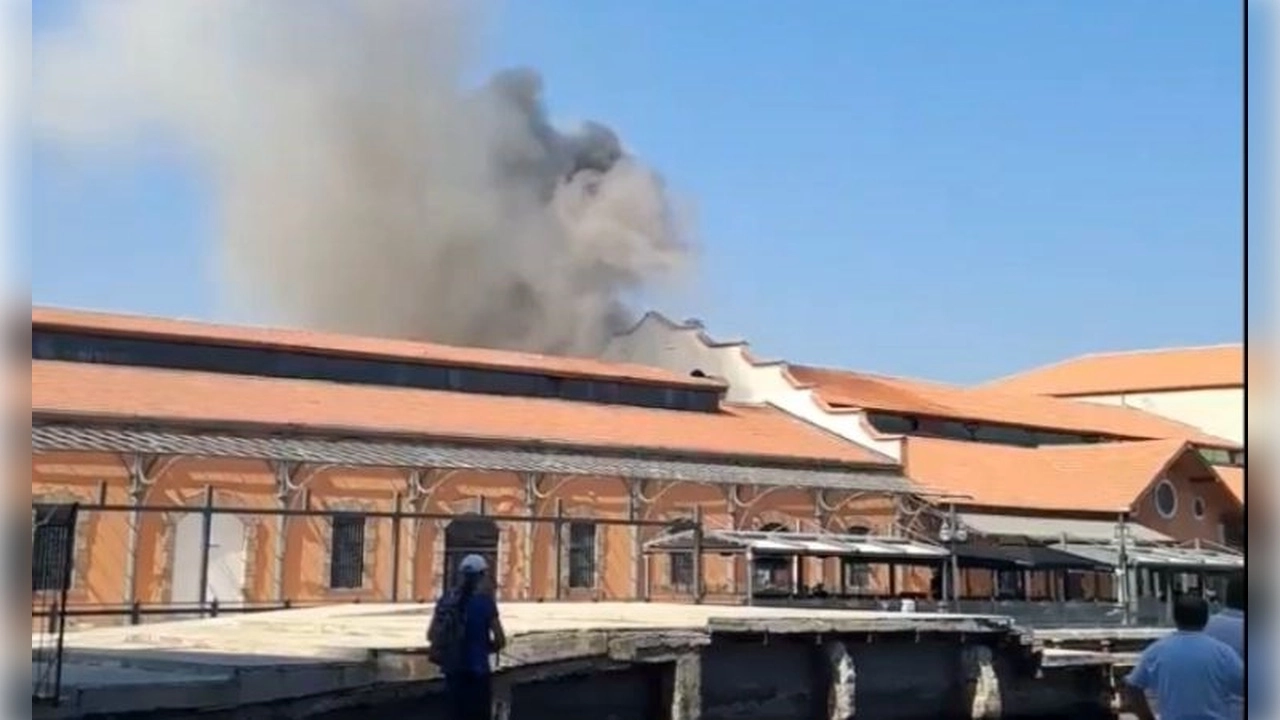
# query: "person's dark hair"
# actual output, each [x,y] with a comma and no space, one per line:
[1236,592]
[467,586]
[1190,612]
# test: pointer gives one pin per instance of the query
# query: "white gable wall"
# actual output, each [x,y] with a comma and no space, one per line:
[1217,411]
[683,349]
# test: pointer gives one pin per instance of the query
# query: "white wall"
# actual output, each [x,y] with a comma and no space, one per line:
[683,349]
[1217,411]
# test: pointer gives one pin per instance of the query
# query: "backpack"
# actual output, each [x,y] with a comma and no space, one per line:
[447,634]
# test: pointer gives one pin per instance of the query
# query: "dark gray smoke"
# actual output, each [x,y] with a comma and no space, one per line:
[361,186]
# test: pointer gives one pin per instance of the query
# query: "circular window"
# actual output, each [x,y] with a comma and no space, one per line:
[1166,498]
[1197,508]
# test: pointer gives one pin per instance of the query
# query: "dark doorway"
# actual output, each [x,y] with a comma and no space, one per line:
[465,535]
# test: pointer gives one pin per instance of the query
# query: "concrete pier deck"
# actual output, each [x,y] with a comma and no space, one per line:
[308,662]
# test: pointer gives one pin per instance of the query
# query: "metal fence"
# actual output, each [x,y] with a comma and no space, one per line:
[167,562]
[52,556]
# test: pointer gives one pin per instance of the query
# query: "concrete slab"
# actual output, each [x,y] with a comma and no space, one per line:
[234,661]
[349,632]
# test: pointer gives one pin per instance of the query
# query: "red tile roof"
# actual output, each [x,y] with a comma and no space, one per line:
[114,393]
[842,388]
[350,345]
[1107,477]
[1234,478]
[1221,366]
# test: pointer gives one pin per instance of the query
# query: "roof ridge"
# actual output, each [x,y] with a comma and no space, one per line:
[1149,351]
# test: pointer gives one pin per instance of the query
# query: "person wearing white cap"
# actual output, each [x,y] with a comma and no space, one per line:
[465,630]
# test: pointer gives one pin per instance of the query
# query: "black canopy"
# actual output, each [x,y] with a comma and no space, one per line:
[1022,557]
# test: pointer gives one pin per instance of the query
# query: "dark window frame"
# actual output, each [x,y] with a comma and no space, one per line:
[347,538]
[233,359]
[680,570]
[857,574]
[52,548]
[680,565]
[581,547]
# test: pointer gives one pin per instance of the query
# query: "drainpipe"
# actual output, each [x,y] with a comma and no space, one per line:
[284,488]
[139,483]
[531,509]
[637,543]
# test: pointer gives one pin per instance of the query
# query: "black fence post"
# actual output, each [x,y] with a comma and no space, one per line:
[395,549]
[559,546]
[68,561]
[697,555]
[135,613]
[206,539]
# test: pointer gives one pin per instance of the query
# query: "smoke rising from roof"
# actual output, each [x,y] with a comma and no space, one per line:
[361,187]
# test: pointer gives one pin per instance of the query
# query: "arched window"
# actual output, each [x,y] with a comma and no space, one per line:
[470,535]
[773,574]
[857,575]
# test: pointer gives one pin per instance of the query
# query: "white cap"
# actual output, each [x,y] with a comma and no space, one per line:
[473,565]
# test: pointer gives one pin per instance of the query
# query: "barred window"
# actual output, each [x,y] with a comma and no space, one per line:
[582,555]
[681,567]
[346,552]
[53,533]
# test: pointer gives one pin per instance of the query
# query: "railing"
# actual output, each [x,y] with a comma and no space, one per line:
[53,554]
[1027,613]
[201,560]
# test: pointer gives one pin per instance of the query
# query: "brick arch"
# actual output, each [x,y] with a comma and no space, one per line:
[761,518]
[189,499]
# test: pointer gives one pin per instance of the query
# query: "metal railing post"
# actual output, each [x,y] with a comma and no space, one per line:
[1122,592]
[698,585]
[206,539]
[559,547]
[68,560]
[395,548]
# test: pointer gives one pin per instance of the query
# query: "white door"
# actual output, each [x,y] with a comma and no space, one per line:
[226,560]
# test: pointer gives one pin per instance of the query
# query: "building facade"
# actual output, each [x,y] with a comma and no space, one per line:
[257,467]
[1203,387]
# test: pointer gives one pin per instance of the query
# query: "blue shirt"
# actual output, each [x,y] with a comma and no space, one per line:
[1228,627]
[477,642]
[1193,677]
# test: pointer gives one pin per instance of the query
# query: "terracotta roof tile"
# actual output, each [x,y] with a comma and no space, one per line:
[842,388]
[1234,478]
[351,345]
[1149,370]
[1103,478]
[63,389]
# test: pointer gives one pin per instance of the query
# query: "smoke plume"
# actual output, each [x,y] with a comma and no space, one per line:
[361,185]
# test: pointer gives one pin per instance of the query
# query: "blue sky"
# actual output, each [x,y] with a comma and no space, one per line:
[921,187]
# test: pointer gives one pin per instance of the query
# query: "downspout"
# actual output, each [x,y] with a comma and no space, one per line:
[139,483]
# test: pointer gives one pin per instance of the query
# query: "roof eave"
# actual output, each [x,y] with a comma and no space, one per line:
[39,416]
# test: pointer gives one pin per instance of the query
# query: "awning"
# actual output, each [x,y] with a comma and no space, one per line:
[1164,557]
[349,452]
[1055,529]
[1023,557]
[871,548]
